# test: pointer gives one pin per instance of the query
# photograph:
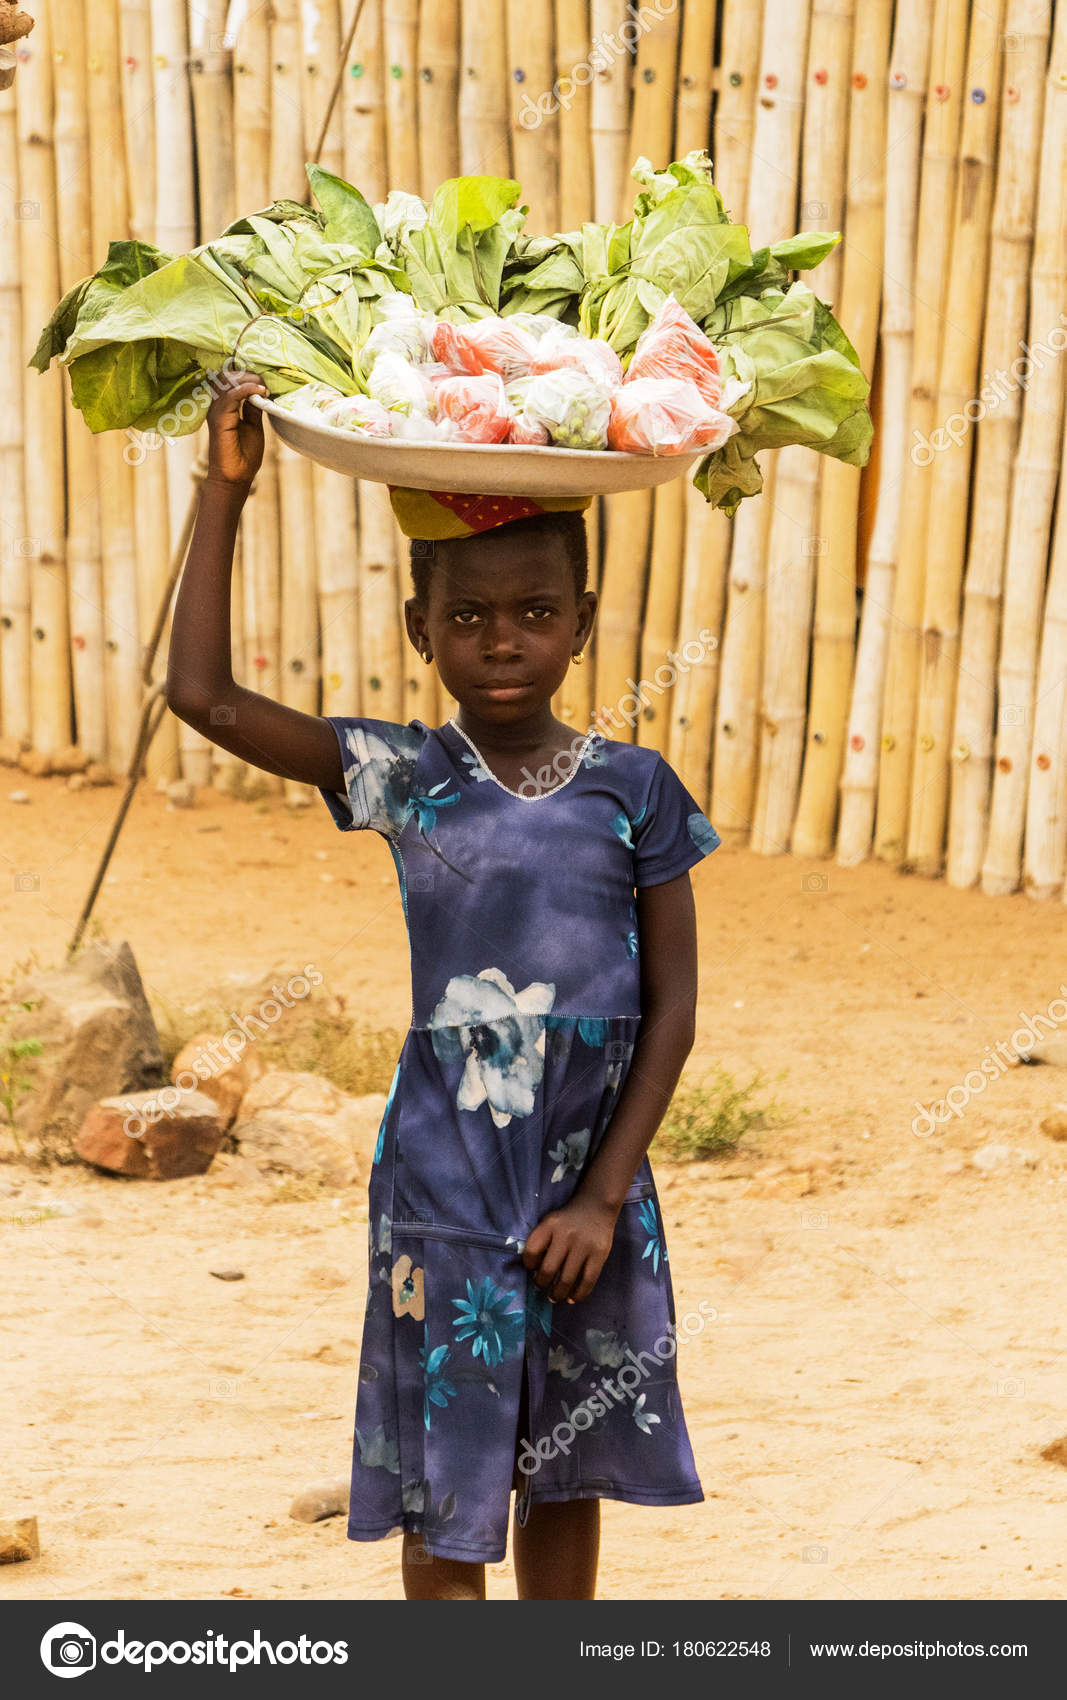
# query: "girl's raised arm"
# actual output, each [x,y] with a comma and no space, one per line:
[201,689]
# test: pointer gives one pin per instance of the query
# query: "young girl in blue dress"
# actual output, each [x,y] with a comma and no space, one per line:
[520,1324]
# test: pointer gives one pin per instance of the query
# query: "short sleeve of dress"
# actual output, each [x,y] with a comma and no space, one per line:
[671,833]
[378,760]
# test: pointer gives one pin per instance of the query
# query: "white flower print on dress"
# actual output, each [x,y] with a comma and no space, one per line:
[501,1035]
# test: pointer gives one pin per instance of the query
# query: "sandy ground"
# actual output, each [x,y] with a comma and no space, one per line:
[888,1357]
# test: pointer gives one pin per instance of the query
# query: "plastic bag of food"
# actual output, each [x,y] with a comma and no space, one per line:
[573,407]
[674,346]
[529,432]
[310,401]
[420,428]
[559,347]
[402,329]
[399,386]
[537,324]
[478,406]
[360,413]
[665,416]
[487,345]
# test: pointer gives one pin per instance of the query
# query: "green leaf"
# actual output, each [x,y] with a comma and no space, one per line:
[348,215]
[802,253]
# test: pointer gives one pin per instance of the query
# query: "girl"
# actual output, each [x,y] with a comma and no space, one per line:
[519,1326]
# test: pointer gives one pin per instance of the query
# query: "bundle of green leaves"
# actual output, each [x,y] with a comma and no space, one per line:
[290,292]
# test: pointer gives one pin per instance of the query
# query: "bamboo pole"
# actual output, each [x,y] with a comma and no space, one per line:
[531,49]
[771,199]
[627,521]
[16,719]
[144,450]
[609,130]
[834,629]
[484,145]
[652,134]
[1027,27]
[937,194]
[1032,498]
[213,127]
[692,115]
[574,117]
[659,625]
[795,543]
[708,533]
[138,123]
[109,216]
[299,613]
[259,539]
[908,81]
[655,79]
[1046,818]
[951,470]
[381,664]
[72,215]
[400,24]
[701,610]
[175,231]
[438,93]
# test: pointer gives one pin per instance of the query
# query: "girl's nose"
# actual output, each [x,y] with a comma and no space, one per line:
[501,637]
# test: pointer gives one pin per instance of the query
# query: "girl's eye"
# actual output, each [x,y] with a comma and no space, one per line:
[542,610]
[465,616]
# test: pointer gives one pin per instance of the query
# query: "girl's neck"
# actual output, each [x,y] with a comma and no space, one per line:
[516,737]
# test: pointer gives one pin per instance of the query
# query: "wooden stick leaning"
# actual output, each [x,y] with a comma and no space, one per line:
[772,206]
[696,64]
[609,129]
[400,27]
[438,93]
[951,470]
[908,77]
[834,627]
[795,543]
[484,134]
[1033,496]
[944,107]
[1027,25]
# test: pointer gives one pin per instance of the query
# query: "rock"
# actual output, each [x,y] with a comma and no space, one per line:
[992,1156]
[222,1073]
[1056,1450]
[1055,1123]
[97,774]
[299,1124]
[98,1039]
[18,1539]
[10,751]
[227,1274]
[795,1184]
[18,796]
[69,759]
[77,782]
[321,1499]
[35,762]
[181,1142]
[181,793]
[818,1161]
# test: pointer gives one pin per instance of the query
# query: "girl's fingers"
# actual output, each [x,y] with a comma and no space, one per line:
[568,1276]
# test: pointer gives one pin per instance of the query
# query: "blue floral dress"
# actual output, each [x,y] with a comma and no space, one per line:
[521,918]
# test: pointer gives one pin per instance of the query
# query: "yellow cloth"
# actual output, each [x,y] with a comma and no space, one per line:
[439,514]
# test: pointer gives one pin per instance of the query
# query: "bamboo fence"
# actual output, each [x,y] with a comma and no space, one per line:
[857,662]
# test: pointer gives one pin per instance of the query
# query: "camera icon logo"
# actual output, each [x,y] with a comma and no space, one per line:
[27,882]
[68,1649]
[223,714]
[421,882]
[815,882]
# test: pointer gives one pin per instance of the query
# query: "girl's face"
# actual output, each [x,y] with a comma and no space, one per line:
[502,622]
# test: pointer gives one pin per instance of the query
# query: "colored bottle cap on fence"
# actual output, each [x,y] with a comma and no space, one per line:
[439,514]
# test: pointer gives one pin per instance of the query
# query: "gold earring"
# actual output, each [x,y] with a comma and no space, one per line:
[426,656]
[577,658]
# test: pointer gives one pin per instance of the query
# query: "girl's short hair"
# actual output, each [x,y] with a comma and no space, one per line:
[565,527]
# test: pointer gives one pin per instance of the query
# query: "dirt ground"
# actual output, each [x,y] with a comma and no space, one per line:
[888,1355]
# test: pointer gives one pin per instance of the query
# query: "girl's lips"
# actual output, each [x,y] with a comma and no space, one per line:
[503,691]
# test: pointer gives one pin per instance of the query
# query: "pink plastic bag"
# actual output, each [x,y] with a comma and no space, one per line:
[674,346]
[487,345]
[665,416]
[478,406]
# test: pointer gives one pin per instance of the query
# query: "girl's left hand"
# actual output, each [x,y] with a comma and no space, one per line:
[569,1247]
